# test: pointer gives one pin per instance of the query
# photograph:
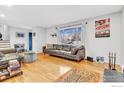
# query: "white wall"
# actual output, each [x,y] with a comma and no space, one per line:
[102,46]
[123,35]
[49,38]
[40,39]
[4,31]
[16,40]
[99,46]
[37,42]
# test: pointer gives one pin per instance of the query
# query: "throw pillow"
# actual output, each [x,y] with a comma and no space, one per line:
[74,51]
[1,54]
[55,46]
[59,47]
[66,48]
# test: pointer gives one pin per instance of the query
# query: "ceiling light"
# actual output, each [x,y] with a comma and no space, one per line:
[2,15]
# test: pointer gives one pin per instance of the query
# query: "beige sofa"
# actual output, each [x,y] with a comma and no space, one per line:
[8,50]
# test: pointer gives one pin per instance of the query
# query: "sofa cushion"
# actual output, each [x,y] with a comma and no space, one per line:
[49,46]
[59,47]
[11,54]
[74,50]
[1,54]
[55,46]
[80,47]
[56,52]
[67,47]
[69,55]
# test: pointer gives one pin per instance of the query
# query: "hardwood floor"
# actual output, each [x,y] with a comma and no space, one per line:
[48,69]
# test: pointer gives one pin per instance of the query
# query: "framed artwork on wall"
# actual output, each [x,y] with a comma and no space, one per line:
[20,35]
[102,28]
[34,34]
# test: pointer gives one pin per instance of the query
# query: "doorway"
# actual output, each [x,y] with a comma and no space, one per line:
[30,41]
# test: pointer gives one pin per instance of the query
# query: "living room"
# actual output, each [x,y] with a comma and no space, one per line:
[31,30]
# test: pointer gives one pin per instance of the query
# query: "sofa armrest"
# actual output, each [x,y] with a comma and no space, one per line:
[81,53]
[9,50]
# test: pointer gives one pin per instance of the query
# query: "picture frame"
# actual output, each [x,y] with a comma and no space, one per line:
[34,34]
[20,35]
[102,28]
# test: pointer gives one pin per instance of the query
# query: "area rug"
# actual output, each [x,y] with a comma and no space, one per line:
[77,75]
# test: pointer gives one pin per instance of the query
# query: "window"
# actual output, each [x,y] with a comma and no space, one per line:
[71,35]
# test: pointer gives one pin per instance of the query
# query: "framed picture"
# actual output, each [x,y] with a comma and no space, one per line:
[34,34]
[20,35]
[102,28]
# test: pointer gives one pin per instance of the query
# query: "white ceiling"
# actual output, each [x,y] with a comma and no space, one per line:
[47,16]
